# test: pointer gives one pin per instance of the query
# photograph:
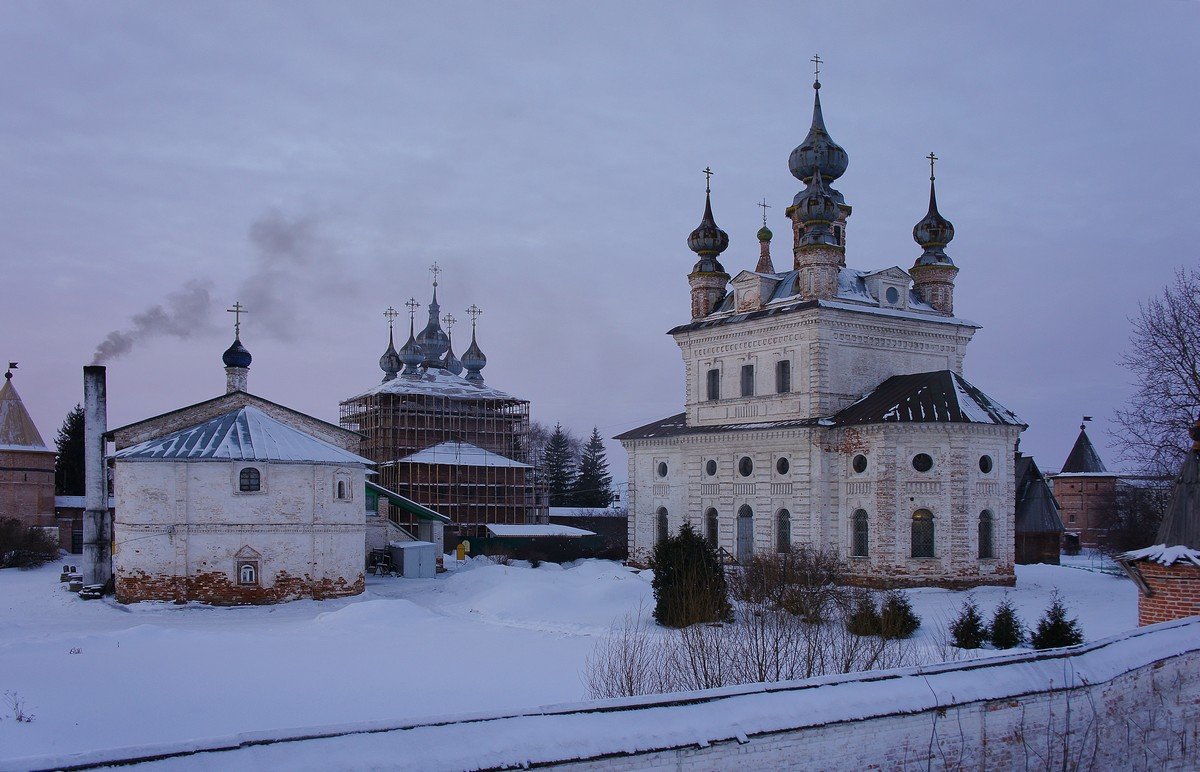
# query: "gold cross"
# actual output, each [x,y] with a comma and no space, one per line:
[932,158]
[765,206]
[390,314]
[474,311]
[816,60]
[708,173]
[412,305]
[237,311]
[435,270]
[449,321]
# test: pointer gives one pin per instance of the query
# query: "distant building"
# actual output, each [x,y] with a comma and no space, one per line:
[1038,526]
[442,437]
[26,464]
[1086,493]
[827,406]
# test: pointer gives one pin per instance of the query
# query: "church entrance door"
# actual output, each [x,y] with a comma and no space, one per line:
[745,535]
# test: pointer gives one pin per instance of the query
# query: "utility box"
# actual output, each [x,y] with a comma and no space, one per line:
[414,559]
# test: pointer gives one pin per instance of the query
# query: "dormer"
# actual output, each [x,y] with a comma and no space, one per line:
[889,287]
[751,290]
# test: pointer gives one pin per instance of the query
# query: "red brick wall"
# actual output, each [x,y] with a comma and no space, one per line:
[1084,503]
[27,486]
[215,587]
[1175,592]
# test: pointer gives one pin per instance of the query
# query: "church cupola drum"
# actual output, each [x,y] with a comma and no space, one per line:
[708,277]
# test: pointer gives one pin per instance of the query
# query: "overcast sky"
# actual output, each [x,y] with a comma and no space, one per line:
[311,160]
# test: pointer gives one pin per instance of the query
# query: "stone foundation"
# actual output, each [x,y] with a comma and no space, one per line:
[217,588]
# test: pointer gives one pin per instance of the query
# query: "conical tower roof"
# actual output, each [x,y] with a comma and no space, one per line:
[17,430]
[1181,524]
[1083,457]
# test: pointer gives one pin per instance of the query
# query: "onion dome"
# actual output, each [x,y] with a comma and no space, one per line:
[410,353]
[433,339]
[474,360]
[933,233]
[390,362]
[450,362]
[764,234]
[817,208]
[708,240]
[818,151]
[236,355]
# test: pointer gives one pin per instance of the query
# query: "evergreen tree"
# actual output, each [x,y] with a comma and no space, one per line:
[1006,629]
[558,467]
[864,616]
[593,485]
[1055,629]
[689,581]
[897,618]
[967,631]
[68,467]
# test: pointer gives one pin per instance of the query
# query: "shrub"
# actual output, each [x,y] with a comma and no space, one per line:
[805,582]
[1006,630]
[1054,629]
[689,581]
[864,618]
[967,631]
[24,547]
[896,618]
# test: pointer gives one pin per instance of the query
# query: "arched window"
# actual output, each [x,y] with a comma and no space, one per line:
[710,526]
[922,534]
[986,533]
[664,529]
[859,543]
[341,489]
[249,480]
[783,532]
[745,534]
[248,573]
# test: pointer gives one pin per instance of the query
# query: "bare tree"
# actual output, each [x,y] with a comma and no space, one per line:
[1164,359]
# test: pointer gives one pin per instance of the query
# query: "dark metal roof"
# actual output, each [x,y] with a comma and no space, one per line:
[1083,457]
[1181,524]
[760,314]
[1037,509]
[676,425]
[941,396]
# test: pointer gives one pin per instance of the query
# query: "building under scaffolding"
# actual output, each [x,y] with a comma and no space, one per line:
[443,438]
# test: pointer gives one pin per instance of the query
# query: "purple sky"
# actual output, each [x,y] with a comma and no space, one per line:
[312,160]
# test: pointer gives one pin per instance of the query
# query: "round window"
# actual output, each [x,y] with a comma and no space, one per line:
[985,464]
[922,462]
[710,467]
[860,463]
[782,466]
[662,468]
[745,466]
[893,295]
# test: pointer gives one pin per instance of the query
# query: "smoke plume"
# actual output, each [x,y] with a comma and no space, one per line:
[186,313]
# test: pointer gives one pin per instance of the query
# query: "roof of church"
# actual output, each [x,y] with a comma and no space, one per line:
[852,295]
[1037,509]
[440,383]
[456,453]
[17,430]
[1083,457]
[941,396]
[677,424]
[246,434]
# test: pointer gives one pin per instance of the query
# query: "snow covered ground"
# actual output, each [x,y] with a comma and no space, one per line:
[95,674]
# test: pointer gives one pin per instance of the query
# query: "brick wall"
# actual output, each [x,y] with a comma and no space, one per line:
[1175,592]
[27,486]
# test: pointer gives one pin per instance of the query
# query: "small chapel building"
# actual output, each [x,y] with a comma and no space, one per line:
[826,405]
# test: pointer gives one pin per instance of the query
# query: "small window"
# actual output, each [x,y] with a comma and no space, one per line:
[710,467]
[985,464]
[249,480]
[710,526]
[892,295]
[922,534]
[782,466]
[341,489]
[247,573]
[714,385]
[662,469]
[837,235]
[859,542]
[664,529]
[922,462]
[745,466]
[986,532]
[783,533]
[783,377]
[860,463]
[747,380]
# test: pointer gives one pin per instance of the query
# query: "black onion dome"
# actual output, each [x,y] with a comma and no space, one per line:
[818,151]
[816,203]
[473,358]
[410,352]
[236,355]
[450,362]
[708,239]
[433,340]
[933,232]
[390,362]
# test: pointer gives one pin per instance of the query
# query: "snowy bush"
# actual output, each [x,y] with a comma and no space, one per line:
[897,618]
[1054,629]
[1006,630]
[967,630]
[864,615]
[805,581]
[689,581]
[24,547]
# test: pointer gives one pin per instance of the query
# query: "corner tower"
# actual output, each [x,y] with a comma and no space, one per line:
[708,277]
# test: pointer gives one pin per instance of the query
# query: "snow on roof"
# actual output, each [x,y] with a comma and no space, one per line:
[934,397]
[586,512]
[1167,556]
[17,430]
[246,434]
[538,530]
[460,454]
[439,383]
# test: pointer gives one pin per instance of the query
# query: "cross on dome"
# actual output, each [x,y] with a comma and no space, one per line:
[390,314]
[932,160]
[449,321]
[412,306]
[237,311]
[435,269]
[708,173]
[816,60]
[765,206]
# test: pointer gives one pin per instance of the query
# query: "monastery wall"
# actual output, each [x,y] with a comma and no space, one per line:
[183,530]
[27,486]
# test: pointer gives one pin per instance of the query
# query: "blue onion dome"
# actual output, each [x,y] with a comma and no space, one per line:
[818,151]
[474,360]
[390,362]
[410,352]
[933,233]
[708,240]
[450,362]
[433,340]
[236,355]
[764,234]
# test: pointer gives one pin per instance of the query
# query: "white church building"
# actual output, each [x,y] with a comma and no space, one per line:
[826,406]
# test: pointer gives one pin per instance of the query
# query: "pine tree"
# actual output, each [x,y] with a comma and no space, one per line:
[1006,630]
[593,486]
[897,618]
[1055,629]
[68,467]
[558,467]
[967,631]
[689,580]
[864,618]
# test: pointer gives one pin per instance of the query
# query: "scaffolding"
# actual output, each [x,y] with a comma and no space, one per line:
[398,425]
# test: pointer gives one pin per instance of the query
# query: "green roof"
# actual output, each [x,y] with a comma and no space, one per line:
[406,504]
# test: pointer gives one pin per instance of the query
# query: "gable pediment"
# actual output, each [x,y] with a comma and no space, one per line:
[247,553]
